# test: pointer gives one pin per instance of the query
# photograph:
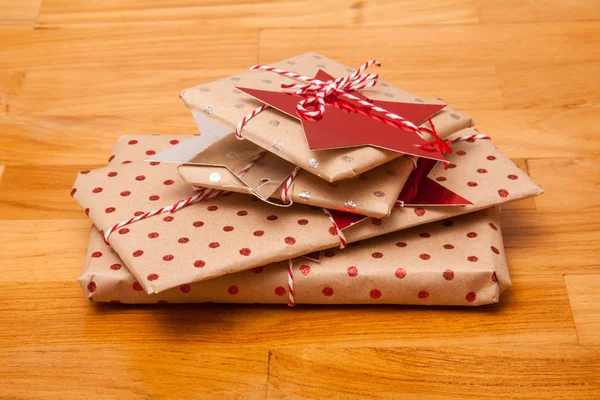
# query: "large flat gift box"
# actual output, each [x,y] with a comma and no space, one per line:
[458,261]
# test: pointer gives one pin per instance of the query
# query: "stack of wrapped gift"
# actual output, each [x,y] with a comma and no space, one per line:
[310,182]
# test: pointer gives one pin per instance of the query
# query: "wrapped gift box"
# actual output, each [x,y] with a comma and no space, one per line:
[458,261]
[221,105]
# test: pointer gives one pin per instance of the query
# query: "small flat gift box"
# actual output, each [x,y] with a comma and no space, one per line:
[226,102]
[458,261]
[229,234]
[243,167]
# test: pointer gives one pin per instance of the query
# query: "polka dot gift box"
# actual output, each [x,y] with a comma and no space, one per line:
[228,234]
[459,261]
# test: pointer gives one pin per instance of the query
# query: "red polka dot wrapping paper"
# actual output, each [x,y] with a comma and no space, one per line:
[229,234]
[458,261]
[221,102]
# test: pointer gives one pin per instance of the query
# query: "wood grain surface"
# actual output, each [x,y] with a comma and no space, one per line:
[75,75]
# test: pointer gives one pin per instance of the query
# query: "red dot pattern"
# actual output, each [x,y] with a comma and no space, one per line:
[280,291]
[232,290]
[305,270]
[185,288]
[353,271]
[400,273]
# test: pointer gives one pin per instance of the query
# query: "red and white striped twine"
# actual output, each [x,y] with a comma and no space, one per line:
[291,302]
[337,229]
[285,198]
[312,107]
[468,138]
[203,194]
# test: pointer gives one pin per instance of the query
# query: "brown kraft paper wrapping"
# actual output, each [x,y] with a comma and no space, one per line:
[229,234]
[459,261]
[374,192]
[221,102]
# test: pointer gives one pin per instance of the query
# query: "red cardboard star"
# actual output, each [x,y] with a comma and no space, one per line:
[339,128]
[420,190]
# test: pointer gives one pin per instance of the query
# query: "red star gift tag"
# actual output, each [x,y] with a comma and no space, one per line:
[420,190]
[339,128]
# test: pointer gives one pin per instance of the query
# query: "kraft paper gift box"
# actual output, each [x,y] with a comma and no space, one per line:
[218,165]
[219,106]
[229,234]
[459,261]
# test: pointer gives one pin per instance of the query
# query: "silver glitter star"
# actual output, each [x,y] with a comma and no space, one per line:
[304,195]
[350,205]
[214,177]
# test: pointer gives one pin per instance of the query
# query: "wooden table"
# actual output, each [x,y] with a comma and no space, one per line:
[75,75]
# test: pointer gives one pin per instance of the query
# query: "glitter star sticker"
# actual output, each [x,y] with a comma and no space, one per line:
[340,128]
